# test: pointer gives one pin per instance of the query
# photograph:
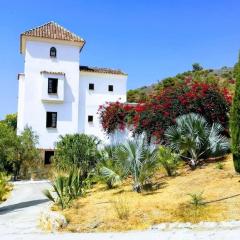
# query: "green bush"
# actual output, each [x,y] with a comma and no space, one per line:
[77,151]
[168,160]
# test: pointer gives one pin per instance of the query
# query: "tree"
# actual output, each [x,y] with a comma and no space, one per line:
[194,139]
[235,120]
[197,67]
[24,156]
[8,143]
[77,151]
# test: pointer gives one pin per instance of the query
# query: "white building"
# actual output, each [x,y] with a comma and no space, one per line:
[57,95]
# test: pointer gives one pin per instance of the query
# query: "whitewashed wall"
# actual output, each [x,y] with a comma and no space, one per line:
[90,100]
[34,110]
[75,101]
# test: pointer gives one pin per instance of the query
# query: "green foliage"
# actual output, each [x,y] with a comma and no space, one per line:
[196,199]
[220,165]
[136,95]
[194,139]
[4,186]
[110,170]
[77,151]
[67,188]
[197,67]
[168,160]
[18,154]
[111,178]
[139,159]
[235,120]
[8,143]
[11,120]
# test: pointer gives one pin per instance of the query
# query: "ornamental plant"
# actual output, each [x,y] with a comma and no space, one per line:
[154,115]
[194,139]
[235,120]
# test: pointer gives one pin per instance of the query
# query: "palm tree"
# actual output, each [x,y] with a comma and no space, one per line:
[195,139]
[138,158]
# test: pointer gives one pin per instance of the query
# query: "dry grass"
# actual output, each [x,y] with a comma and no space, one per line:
[169,203]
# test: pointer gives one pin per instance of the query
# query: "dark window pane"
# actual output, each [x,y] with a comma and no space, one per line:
[53,52]
[91,86]
[110,88]
[90,118]
[52,85]
[51,121]
[48,156]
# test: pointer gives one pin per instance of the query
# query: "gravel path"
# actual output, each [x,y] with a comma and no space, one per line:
[19,214]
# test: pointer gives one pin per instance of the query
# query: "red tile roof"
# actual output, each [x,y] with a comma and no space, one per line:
[101,70]
[52,30]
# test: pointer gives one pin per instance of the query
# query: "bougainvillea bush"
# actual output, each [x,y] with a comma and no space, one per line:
[160,110]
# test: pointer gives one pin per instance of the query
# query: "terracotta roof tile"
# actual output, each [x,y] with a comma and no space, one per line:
[52,30]
[101,70]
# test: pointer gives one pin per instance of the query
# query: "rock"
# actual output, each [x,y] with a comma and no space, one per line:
[52,221]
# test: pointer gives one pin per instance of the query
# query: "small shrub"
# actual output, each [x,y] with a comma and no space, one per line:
[196,199]
[168,160]
[220,165]
[4,186]
[121,207]
[188,213]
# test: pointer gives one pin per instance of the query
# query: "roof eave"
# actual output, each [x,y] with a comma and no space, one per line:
[24,38]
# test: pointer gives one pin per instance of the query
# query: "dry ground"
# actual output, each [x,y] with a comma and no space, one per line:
[168,203]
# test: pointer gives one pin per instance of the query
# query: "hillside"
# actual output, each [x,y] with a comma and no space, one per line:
[223,77]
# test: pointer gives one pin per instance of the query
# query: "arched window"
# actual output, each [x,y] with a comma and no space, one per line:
[53,52]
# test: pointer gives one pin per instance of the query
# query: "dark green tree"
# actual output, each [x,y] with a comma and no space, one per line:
[197,67]
[11,120]
[235,120]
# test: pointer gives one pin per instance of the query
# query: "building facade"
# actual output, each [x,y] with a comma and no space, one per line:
[57,95]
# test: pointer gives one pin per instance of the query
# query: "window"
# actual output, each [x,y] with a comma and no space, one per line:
[90,118]
[51,120]
[53,52]
[47,156]
[110,88]
[91,86]
[52,85]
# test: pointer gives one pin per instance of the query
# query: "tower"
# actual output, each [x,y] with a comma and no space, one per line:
[49,87]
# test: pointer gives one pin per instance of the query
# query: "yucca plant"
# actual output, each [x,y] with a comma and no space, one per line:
[67,188]
[139,159]
[60,197]
[194,139]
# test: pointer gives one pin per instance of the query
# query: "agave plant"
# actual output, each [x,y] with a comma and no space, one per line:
[139,159]
[194,139]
